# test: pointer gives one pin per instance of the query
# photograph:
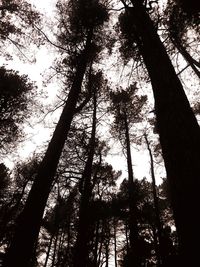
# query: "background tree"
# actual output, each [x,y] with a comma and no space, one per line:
[16,187]
[17,95]
[180,25]
[127,106]
[17,25]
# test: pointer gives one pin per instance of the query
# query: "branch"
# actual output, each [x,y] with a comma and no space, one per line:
[48,40]
[19,46]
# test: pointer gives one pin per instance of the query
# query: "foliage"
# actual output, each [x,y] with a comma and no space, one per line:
[127,107]
[128,37]
[16,103]
[14,189]
[79,21]
[17,18]
[179,22]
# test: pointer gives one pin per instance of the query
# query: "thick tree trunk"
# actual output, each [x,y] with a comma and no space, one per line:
[179,135]
[29,221]
[81,247]
[134,236]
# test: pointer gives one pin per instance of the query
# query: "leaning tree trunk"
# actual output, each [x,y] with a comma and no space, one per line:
[179,134]
[29,221]
[81,247]
[194,64]
[133,227]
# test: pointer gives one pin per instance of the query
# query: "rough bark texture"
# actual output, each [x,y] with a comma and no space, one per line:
[179,135]
[29,221]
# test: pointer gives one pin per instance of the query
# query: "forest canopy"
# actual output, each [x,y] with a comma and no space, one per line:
[114,181]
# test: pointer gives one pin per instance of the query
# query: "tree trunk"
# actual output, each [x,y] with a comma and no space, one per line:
[81,247]
[101,246]
[115,241]
[48,250]
[126,235]
[156,208]
[55,249]
[29,221]
[107,254]
[96,243]
[188,58]
[134,237]
[179,135]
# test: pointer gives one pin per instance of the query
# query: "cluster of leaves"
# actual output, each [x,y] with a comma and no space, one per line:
[16,103]
[81,21]
[179,22]
[15,16]
[127,107]
[128,37]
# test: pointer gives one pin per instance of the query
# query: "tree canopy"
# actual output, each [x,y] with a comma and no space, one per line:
[124,82]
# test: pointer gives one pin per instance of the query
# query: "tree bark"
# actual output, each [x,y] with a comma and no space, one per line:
[179,135]
[29,221]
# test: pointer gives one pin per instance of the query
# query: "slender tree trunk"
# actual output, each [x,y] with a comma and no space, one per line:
[179,135]
[100,247]
[48,250]
[107,254]
[115,241]
[29,221]
[189,59]
[134,237]
[55,250]
[156,206]
[81,247]
[126,235]
[96,244]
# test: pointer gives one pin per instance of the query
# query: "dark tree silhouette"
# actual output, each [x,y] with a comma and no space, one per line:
[85,27]
[178,129]
[17,187]
[16,100]
[17,19]
[81,248]
[179,25]
[127,107]
[158,232]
